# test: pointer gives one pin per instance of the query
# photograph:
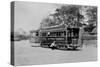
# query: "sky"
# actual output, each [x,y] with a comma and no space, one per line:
[28,15]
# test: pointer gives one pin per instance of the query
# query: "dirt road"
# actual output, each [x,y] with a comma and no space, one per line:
[27,55]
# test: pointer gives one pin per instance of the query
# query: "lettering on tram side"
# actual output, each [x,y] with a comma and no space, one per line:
[56,38]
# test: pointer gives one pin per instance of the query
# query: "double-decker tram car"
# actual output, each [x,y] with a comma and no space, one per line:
[64,37]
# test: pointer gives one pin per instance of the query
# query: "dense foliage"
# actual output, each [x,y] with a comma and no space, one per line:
[72,15]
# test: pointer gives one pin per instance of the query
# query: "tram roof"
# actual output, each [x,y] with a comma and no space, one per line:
[60,27]
[54,28]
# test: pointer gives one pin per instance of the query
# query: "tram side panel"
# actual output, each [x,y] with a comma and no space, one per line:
[69,39]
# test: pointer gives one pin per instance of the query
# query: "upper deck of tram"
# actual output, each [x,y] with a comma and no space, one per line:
[61,27]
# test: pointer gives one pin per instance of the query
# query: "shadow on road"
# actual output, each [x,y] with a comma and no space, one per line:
[69,49]
[63,49]
[35,46]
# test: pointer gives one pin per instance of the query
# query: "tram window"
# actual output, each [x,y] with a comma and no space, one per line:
[58,33]
[64,33]
[49,33]
[54,34]
[43,34]
[76,32]
[37,33]
[69,32]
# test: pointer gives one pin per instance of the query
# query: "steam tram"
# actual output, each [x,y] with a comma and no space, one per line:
[64,37]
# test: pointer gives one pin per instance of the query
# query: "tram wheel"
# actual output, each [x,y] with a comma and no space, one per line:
[57,46]
[74,48]
[66,47]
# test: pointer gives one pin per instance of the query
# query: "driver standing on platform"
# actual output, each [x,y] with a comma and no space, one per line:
[52,45]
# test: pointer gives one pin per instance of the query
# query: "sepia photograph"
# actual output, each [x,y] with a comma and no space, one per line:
[52,33]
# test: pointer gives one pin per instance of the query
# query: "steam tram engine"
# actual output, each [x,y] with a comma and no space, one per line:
[64,37]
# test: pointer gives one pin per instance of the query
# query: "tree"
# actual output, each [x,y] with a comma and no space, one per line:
[92,15]
[69,15]
[46,22]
